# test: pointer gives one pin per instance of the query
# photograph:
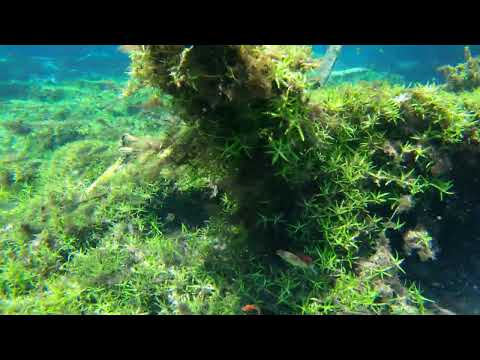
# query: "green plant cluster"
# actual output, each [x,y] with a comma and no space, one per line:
[463,77]
[346,158]
[234,155]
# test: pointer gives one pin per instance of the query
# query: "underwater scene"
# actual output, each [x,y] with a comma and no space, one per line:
[240,179]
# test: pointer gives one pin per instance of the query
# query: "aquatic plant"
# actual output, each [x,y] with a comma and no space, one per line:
[463,77]
[317,141]
[219,159]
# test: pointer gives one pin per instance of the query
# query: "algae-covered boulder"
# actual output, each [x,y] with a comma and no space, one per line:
[333,168]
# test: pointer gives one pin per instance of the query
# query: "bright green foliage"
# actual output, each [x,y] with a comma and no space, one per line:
[187,217]
[463,77]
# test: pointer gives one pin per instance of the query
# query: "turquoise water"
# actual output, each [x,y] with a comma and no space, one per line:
[415,63]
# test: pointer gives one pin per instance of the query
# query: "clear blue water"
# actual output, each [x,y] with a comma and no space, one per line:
[61,62]
[416,63]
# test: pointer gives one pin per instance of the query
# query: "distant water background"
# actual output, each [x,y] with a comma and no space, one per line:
[416,63]
[61,62]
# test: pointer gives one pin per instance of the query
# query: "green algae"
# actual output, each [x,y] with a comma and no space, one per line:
[463,77]
[210,186]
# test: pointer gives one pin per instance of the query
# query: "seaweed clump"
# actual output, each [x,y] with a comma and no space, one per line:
[463,77]
[300,165]
[356,182]
[228,97]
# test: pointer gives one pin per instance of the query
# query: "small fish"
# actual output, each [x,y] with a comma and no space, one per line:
[170,217]
[305,258]
[250,308]
[302,261]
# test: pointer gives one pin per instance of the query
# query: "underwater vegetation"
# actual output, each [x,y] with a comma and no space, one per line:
[463,77]
[228,180]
